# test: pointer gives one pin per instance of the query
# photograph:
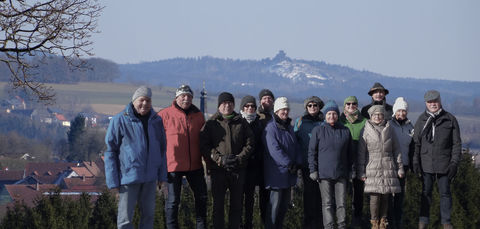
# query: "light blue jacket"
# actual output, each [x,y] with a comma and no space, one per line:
[127,159]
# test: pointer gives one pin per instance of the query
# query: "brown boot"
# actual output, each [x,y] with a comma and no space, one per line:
[374,223]
[383,223]
[422,225]
[447,226]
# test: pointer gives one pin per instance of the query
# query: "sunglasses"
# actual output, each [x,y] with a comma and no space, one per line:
[312,105]
[350,104]
[249,105]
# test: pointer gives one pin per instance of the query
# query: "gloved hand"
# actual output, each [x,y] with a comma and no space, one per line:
[229,162]
[417,169]
[293,168]
[314,176]
[451,171]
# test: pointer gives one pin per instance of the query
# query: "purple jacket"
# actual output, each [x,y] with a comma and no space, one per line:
[281,150]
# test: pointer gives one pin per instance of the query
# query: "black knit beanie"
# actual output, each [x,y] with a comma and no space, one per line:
[265,92]
[225,96]
[247,99]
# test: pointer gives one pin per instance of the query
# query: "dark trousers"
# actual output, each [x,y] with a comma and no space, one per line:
[445,197]
[277,208]
[312,202]
[358,187]
[196,180]
[234,182]
[252,180]
[395,208]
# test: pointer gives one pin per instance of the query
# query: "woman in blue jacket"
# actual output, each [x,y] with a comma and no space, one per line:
[312,211]
[329,160]
[135,158]
[281,162]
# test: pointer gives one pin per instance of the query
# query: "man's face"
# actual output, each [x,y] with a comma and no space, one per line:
[184,101]
[351,107]
[267,102]
[378,95]
[331,117]
[313,108]
[283,113]
[249,108]
[433,105]
[142,105]
[226,108]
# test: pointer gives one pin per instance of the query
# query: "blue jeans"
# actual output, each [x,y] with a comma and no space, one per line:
[334,193]
[312,202]
[129,195]
[221,181]
[277,208]
[445,197]
[196,180]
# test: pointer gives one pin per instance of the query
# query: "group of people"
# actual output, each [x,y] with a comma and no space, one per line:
[372,149]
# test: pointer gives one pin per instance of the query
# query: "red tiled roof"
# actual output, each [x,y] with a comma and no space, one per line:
[28,193]
[79,181]
[60,117]
[93,168]
[47,172]
[82,171]
[11,175]
[83,188]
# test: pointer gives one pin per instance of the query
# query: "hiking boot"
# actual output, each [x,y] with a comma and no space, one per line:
[447,226]
[422,225]
[383,223]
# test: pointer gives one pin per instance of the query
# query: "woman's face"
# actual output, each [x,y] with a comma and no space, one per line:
[377,117]
[401,114]
[331,117]
[249,108]
[313,108]
[283,113]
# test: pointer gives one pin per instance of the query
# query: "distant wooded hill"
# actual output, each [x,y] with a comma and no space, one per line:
[54,69]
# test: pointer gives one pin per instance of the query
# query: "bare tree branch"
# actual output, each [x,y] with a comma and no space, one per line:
[44,28]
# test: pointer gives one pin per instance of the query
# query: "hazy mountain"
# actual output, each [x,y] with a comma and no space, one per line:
[290,77]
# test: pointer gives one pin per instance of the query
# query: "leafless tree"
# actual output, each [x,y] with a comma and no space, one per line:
[42,28]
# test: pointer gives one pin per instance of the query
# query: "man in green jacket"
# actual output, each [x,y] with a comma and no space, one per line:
[353,119]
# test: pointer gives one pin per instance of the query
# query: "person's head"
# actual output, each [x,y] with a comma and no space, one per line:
[226,103]
[281,108]
[266,99]
[331,112]
[184,96]
[248,104]
[313,105]
[378,92]
[433,102]
[350,104]
[400,109]
[377,114]
[142,100]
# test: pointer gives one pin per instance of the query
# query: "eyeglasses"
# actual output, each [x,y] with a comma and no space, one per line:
[312,105]
[250,105]
[350,104]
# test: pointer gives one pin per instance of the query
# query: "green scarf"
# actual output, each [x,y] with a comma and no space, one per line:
[351,117]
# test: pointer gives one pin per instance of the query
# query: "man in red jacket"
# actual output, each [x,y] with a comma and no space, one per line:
[182,122]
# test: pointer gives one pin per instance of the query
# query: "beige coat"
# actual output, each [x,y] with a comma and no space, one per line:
[377,160]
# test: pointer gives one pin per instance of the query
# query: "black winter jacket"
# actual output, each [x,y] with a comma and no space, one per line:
[445,150]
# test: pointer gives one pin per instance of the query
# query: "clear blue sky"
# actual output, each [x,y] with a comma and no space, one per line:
[410,38]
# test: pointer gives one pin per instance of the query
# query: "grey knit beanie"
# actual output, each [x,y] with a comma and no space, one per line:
[142,91]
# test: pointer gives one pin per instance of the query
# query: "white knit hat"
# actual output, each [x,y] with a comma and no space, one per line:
[280,103]
[400,104]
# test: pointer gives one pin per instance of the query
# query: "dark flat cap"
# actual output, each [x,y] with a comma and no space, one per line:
[431,95]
